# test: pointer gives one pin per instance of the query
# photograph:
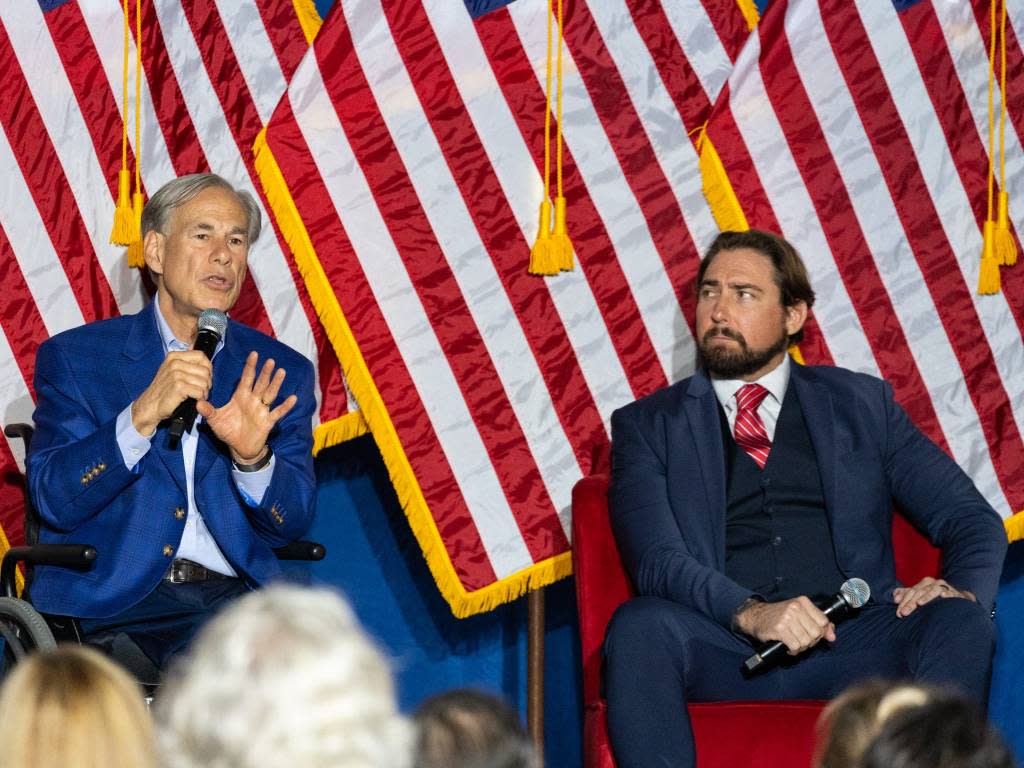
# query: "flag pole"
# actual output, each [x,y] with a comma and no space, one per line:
[535,670]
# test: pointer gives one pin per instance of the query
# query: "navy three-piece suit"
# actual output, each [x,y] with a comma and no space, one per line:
[669,501]
[85,494]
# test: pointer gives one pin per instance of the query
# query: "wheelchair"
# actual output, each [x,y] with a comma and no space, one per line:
[24,630]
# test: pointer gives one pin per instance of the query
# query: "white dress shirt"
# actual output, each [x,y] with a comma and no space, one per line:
[775,381]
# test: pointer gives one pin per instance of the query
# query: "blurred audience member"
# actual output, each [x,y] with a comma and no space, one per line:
[283,678]
[73,707]
[848,724]
[471,729]
[946,731]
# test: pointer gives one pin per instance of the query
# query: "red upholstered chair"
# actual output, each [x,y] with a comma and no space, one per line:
[723,729]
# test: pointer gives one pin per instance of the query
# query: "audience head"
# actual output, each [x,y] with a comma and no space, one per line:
[849,723]
[471,729]
[946,731]
[283,678]
[73,707]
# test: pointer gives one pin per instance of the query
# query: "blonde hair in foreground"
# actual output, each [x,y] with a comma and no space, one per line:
[73,707]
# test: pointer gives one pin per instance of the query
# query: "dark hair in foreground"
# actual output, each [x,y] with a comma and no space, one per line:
[944,732]
[471,729]
[790,272]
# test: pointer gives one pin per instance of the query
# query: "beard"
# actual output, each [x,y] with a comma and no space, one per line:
[726,363]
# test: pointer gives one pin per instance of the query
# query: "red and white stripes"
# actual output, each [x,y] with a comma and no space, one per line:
[862,127]
[409,142]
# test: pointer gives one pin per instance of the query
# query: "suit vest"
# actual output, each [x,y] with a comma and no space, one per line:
[778,541]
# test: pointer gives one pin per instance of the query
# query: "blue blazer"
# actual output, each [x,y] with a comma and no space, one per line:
[668,491]
[84,493]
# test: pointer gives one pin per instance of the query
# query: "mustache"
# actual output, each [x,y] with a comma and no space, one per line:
[728,333]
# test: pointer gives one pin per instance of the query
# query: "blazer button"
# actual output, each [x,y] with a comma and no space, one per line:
[179,513]
[168,550]
[101,467]
[85,479]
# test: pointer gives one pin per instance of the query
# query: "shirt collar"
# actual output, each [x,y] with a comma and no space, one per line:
[775,381]
[171,342]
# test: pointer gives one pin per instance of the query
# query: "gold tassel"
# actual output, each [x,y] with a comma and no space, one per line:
[136,256]
[543,260]
[124,219]
[1005,247]
[988,275]
[560,243]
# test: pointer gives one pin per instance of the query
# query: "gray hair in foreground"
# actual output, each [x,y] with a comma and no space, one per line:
[282,677]
[179,191]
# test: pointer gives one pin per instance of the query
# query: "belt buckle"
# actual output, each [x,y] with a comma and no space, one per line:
[184,572]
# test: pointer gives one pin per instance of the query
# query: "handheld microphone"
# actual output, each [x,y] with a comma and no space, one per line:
[212,323]
[852,595]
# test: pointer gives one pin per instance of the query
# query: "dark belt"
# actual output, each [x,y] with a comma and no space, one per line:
[183,571]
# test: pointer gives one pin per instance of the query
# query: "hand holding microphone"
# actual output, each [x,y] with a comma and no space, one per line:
[182,376]
[211,326]
[852,595]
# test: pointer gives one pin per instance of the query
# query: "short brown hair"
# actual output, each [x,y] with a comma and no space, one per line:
[790,272]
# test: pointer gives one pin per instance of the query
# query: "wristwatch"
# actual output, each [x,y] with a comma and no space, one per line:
[258,465]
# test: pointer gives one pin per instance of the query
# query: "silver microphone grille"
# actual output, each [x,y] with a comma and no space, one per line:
[213,320]
[855,592]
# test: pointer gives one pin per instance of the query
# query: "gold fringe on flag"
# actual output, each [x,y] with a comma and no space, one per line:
[1014,525]
[309,19]
[1005,247]
[136,258]
[998,245]
[552,251]
[721,197]
[750,13]
[122,232]
[374,413]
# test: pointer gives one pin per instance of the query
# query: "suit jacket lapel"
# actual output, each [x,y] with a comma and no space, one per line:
[142,355]
[701,407]
[818,410]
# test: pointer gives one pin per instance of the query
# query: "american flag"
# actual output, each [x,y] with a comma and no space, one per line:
[859,130]
[213,73]
[404,168]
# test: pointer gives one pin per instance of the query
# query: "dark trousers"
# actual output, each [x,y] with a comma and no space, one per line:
[659,655]
[166,620]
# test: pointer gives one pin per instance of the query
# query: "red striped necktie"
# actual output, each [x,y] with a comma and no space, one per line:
[749,430]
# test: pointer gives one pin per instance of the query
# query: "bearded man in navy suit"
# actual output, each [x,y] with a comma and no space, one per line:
[179,530]
[742,493]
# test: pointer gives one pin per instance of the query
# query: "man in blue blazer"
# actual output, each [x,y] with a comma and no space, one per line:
[178,530]
[744,492]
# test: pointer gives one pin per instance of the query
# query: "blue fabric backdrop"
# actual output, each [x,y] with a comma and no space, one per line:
[374,559]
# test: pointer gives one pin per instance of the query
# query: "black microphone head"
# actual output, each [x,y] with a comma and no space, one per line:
[855,592]
[214,321]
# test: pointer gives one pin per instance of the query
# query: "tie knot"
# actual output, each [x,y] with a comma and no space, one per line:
[749,397]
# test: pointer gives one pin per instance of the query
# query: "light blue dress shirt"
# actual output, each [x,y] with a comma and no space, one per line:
[197,543]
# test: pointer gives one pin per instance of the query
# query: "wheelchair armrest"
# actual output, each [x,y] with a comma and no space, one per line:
[77,556]
[24,431]
[301,550]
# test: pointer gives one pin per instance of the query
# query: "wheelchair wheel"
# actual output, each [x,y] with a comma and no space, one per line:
[23,631]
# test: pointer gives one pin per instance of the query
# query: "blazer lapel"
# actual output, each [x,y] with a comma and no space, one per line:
[701,407]
[142,355]
[818,410]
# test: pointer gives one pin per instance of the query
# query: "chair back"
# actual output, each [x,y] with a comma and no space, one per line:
[602,584]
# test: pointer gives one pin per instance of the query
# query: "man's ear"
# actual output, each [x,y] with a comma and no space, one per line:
[153,251]
[796,316]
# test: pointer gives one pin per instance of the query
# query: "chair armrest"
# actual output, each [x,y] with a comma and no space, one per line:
[80,557]
[301,550]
